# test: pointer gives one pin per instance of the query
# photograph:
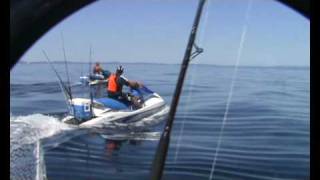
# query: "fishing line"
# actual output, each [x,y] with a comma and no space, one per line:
[186,109]
[243,35]
[205,23]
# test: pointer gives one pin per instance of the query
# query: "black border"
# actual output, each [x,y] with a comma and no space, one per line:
[314,90]
[314,120]
[5,91]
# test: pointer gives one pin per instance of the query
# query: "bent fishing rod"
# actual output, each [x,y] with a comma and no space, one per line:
[162,149]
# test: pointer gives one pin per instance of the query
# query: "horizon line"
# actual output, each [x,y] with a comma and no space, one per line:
[159,63]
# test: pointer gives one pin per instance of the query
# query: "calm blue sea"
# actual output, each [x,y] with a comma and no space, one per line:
[265,135]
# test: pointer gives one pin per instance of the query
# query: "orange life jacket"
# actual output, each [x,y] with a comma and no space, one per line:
[112,84]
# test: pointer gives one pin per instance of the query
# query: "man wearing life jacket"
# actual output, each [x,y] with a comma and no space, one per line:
[115,84]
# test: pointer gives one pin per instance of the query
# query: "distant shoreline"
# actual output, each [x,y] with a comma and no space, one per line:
[117,62]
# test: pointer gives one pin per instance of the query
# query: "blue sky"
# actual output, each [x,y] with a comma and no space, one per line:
[158,30]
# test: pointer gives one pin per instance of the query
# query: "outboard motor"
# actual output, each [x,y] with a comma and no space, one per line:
[81,109]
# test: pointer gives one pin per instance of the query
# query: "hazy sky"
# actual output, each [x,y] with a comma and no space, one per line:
[158,30]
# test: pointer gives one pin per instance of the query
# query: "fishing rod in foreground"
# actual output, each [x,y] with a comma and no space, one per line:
[162,149]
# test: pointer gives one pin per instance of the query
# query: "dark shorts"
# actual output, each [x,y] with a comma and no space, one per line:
[119,96]
[114,95]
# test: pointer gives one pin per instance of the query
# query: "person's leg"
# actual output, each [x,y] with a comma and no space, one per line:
[113,95]
[125,98]
[135,101]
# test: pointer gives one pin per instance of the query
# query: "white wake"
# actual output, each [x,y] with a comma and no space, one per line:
[26,154]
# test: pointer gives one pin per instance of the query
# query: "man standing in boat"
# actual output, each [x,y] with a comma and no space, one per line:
[97,69]
[99,73]
[115,84]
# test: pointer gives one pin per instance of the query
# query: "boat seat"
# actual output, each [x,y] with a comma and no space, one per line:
[112,103]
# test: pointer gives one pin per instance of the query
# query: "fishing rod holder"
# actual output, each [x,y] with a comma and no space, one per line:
[197,51]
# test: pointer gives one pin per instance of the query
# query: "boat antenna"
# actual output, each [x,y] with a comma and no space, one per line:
[162,149]
[90,60]
[63,87]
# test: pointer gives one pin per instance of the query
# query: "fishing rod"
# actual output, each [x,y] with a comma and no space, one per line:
[66,66]
[63,87]
[162,149]
[71,107]
[90,89]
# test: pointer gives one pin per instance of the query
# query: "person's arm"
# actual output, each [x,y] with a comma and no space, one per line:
[132,84]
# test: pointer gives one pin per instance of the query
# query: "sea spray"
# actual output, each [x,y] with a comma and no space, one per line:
[26,132]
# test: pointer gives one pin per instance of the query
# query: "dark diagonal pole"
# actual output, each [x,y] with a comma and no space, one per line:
[161,154]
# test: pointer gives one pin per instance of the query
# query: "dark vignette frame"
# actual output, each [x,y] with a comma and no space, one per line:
[24,18]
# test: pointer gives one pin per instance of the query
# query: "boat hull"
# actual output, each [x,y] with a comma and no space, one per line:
[107,116]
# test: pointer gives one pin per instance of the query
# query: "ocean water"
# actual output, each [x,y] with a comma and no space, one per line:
[265,134]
